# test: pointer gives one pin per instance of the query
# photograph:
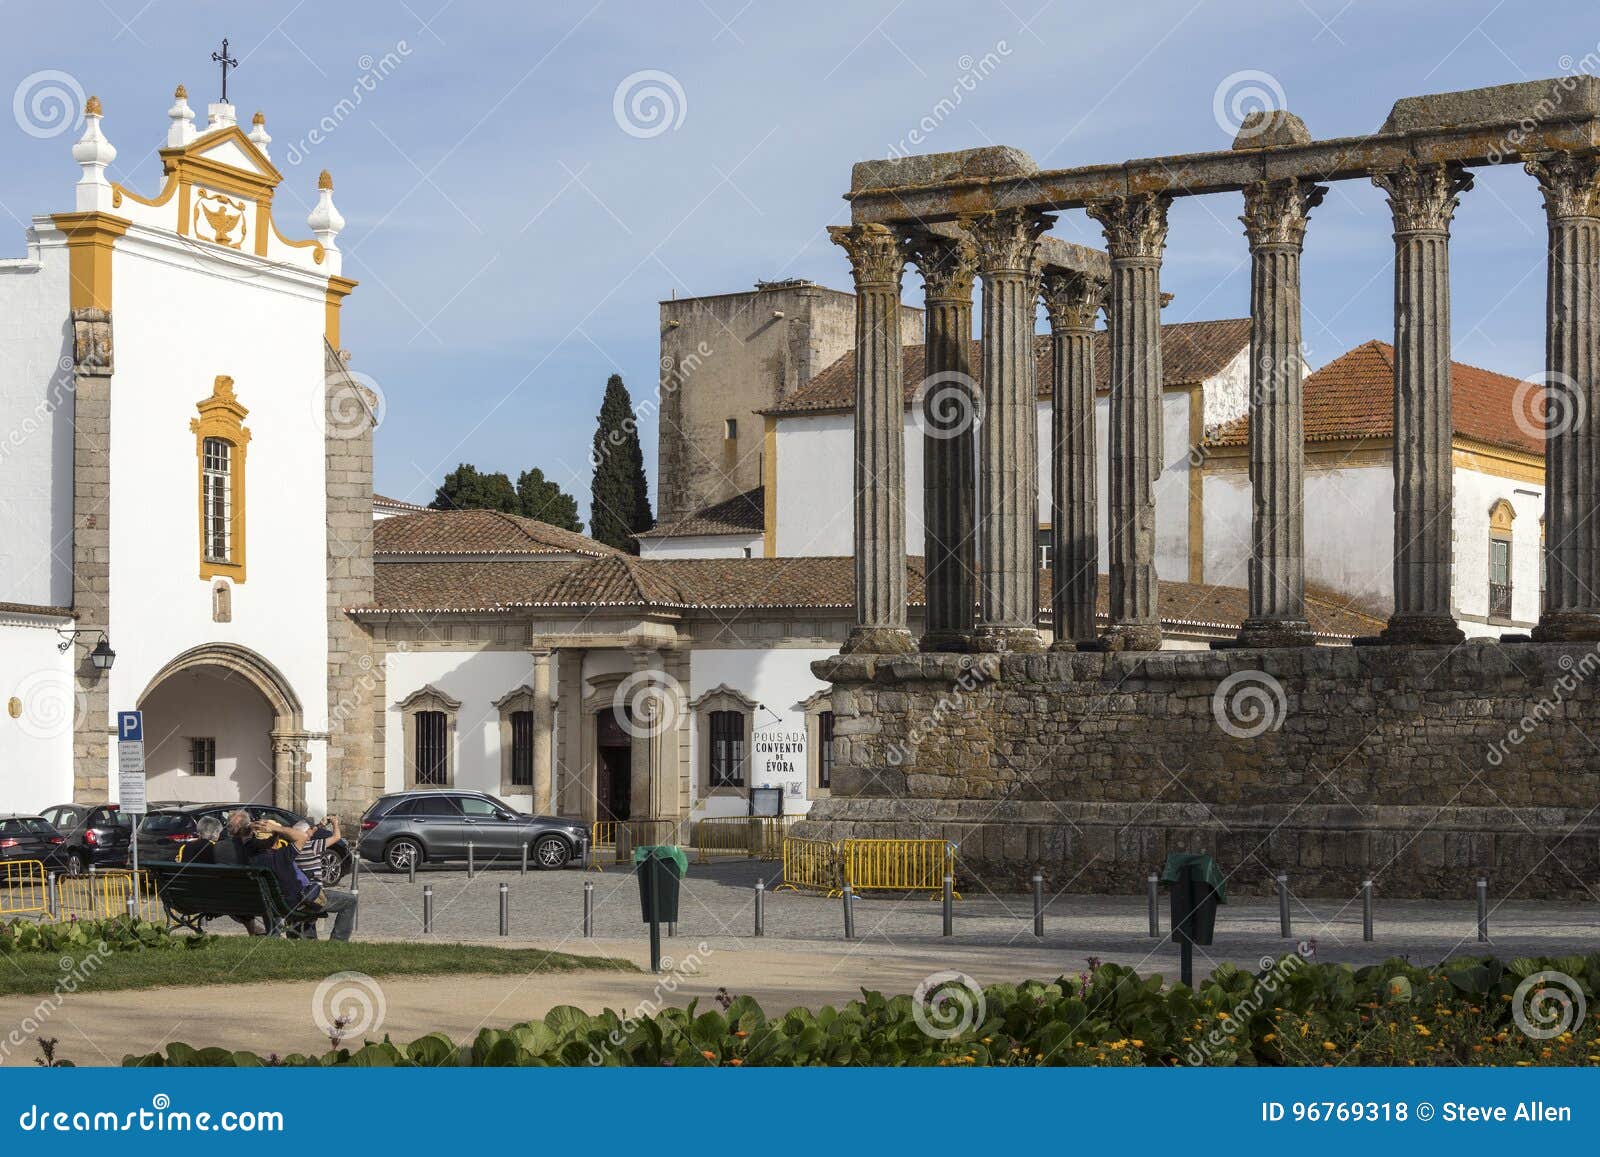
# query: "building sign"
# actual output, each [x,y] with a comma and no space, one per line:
[130,761]
[780,760]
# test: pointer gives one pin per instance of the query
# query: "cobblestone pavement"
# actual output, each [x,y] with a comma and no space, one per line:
[718,907]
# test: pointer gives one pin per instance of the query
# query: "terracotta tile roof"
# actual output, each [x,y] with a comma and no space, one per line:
[1191,352]
[480,532]
[388,503]
[744,514]
[40,609]
[437,586]
[1352,397]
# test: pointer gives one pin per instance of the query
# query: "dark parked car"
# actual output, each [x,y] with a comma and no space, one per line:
[96,835]
[25,837]
[434,825]
[168,826]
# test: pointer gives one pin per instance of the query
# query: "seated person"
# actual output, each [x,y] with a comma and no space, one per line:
[213,847]
[277,847]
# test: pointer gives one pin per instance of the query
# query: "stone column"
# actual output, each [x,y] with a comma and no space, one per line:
[1274,219]
[577,779]
[1136,232]
[949,400]
[1073,300]
[1008,432]
[877,259]
[544,802]
[1571,188]
[645,719]
[1422,199]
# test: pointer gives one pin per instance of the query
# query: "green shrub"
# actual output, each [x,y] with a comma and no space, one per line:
[118,934]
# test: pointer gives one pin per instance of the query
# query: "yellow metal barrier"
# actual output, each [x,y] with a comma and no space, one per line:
[897,865]
[103,894]
[22,887]
[603,836]
[811,864]
[754,837]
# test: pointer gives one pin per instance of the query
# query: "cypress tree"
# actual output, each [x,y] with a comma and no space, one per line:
[620,497]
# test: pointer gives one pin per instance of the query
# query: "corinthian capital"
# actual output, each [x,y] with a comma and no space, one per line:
[1007,240]
[1072,299]
[1570,184]
[1134,226]
[947,264]
[1275,212]
[877,253]
[1423,198]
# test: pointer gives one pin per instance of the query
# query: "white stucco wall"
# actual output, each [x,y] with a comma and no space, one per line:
[1476,492]
[702,546]
[36,742]
[208,702]
[36,428]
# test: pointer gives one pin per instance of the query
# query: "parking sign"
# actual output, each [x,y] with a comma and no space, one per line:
[130,761]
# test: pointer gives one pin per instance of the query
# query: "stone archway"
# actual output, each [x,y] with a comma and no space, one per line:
[286,741]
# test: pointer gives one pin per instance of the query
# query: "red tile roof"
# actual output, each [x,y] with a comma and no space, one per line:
[744,514]
[478,532]
[1352,397]
[1191,352]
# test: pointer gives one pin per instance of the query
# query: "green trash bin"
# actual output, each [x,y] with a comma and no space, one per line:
[659,868]
[1198,887]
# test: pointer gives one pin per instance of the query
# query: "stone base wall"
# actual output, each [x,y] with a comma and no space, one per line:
[1421,768]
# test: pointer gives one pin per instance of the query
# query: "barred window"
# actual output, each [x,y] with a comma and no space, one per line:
[727,749]
[522,748]
[202,755]
[433,763]
[825,749]
[217,500]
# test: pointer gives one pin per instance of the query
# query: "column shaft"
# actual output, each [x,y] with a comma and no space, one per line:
[544,802]
[877,259]
[1423,199]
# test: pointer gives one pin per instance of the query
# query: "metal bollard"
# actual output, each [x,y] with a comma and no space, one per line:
[761,907]
[53,895]
[505,910]
[133,910]
[849,898]
[949,906]
[1284,924]
[1038,905]
[672,928]
[472,866]
[1366,910]
[525,858]
[1483,909]
[427,909]
[355,911]
[1153,891]
[411,870]
[588,910]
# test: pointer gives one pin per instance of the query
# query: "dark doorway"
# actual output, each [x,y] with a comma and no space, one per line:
[613,766]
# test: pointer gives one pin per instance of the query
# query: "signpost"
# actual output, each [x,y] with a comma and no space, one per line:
[131,782]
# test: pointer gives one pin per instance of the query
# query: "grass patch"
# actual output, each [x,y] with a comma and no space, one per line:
[248,960]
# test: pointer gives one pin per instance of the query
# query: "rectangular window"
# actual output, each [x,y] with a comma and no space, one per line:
[202,755]
[217,500]
[433,760]
[522,748]
[825,749]
[730,429]
[1499,578]
[727,749]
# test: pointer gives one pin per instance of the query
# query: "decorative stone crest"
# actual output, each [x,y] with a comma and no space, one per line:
[1570,184]
[947,264]
[1134,226]
[1423,198]
[877,253]
[216,216]
[91,341]
[1276,212]
[1007,240]
[1072,299]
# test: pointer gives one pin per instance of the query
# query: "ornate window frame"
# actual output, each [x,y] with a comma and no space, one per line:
[517,699]
[1501,516]
[222,417]
[722,698]
[814,708]
[428,698]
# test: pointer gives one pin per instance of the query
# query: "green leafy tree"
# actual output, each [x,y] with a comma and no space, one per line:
[620,496]
[543,499]
[464,488]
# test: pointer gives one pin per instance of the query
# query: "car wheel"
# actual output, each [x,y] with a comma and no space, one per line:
[334,868]
[75,864]
[402,853]
[551,852]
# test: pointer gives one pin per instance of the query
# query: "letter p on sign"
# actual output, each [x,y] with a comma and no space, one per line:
[130,726]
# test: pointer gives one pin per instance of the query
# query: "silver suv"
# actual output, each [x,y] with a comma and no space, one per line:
[436,826]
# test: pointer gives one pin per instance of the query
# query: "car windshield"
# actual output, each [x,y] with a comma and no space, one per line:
[160,823]
[107,818]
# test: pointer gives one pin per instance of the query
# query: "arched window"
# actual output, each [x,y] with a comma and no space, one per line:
[1500,517]
[220,441]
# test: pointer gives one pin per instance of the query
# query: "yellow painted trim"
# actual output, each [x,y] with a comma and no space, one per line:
[191,167]
[769,488]
[90,239]
[1197,489]
[311,243]
[264,227]
[1501,515]
[221,416]
[118,192]
[1516,465]
[338,289]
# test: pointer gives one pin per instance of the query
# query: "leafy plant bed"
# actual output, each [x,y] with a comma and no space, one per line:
[117,934]
[1292,1013]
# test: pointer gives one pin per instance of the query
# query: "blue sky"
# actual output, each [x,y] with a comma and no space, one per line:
[512,237]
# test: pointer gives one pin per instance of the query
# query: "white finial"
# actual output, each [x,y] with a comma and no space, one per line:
[181,131]
[94,153]
[326,220]
[219,116]
[258,133]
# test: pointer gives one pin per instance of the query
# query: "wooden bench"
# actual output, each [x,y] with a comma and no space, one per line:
[195,893]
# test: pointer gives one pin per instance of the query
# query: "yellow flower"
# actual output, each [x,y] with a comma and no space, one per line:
[1271,1036]
[1330,1046]
[1138,1044]
[1422,1030]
